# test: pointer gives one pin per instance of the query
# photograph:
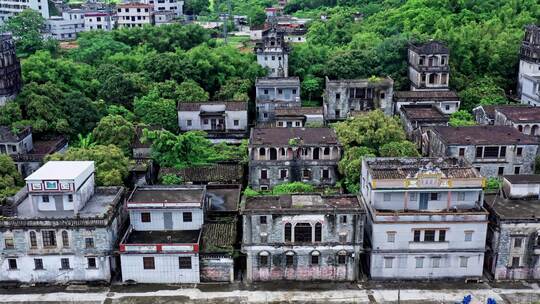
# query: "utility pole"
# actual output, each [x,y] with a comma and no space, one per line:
[227,16]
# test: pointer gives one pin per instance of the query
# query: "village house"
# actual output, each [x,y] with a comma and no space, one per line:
[299,117]
[485,114]
[428,66]
[282,155]
[60,227]
[524,118]
[276,93]
[222,121]
[492,150]
[343,96]
[447,101]
[417,118]
[425,218]
[304,237]
[273,53]
[529,66]
[10,71]
[134,14]
[99,20]
[513,243]
[66,26]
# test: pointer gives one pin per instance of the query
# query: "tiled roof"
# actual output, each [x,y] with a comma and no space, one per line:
[424,95]
[300,203]
[484,135]
[519,114]
[218,237]
[431,47]
[134,4]
[523,178]
[299,111]
[423,113]
[229,105]
[8,136]
[214,173]
[407,167]
[281,136]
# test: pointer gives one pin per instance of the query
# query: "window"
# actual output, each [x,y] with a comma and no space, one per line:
[51,185]
[463,261]
[500,171]
[479,151]
[416,237]
[91,263]
[519,151]
[429,236]
[517,169]
[302,232]
[447,107]
[189,122]
[502,153]
[236,122]
[383,95]
[280,91]
[306,174]
[187,217]
[145,217]
[461,151]
[265,91]
[184,262]
[388,262]
[45,198]
[65,239]
[442,235]
[283,173]
[419,262]
[342,257]
[491,152]
[12,264]
[262,219]
[387,197]
[515,261]
[343,219]
[461,196]
[294,91]
[326,151]
[315,258]
[468,236]
[338,96]
[89,242]
[338,113]
[289,259]
[263,259]
[518,242]
[434,196]
[391,237]
[33,239]
[318,232]
[64,263]
[49,238]
[205,121]
[412,197]
[436,262]
[288,232]
[343,237]
[262,152]
[325,174]
[8,242]
[38,264]
[148,263]
[264,174]
[70,198]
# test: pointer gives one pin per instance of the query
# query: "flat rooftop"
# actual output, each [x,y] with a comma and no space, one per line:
[300,203]
[167,194]
[102,203]
[8,136]
[423,113]
[409,167]
[361,82]
[216,105]
[484,135]
[277,81]
[281,136]
[523,178]
[223,198]
[520,114]
[163,237]
[61,170]
[299,111]
[513,209]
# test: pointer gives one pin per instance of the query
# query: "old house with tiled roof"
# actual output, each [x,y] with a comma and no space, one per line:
[273,52]
[220,173]
[428,66]
[447,101]
[524,118]
[307,237]
[425,218]
[273,93]
[492,150]
[417,118]
[299,117]
[281,155]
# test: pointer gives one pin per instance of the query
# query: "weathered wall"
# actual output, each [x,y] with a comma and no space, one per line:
[166,269]
[216,269]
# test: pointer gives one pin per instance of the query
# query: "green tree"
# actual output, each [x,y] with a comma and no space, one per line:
[310,85]
[350,166]
[483,91]
[171,179]
[10,178]
[399,149]
[121,89]
[112,166]
[156,111]
[235,89]
[115,130]
[190,91]
[122,111]
[26,28]
[461,118]
[292,188]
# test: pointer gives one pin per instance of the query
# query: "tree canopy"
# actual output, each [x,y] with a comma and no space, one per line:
[10,178]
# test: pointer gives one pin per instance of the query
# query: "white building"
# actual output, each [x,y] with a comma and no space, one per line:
[175,6]
[9,8]
[162,244]
[164,17]
[135,14]
[530,89]
[529,64]
[67,26]
[273,53]
[99,20]
[60,228]
[425,218]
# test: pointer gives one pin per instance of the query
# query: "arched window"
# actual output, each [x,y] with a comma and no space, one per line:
[318,232]
[520,128]
[264,258]
[315,257]
[289,258]
[33,239]
[288,232]
[303,233]
[273,153]
[65,239]
[342,257]
[262,151]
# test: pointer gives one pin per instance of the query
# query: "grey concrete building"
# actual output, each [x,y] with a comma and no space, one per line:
[10,71]
[524,118]
[513,244]
[223,121]
[299,117]
[309,237]
[417,118]
[13,143]
[447,101]
[276,93]
[425,218]
[529,65]
[428,66]
[344,96]
[485,114]
[492,150]
[273,52]
[281,155]
[60,228]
